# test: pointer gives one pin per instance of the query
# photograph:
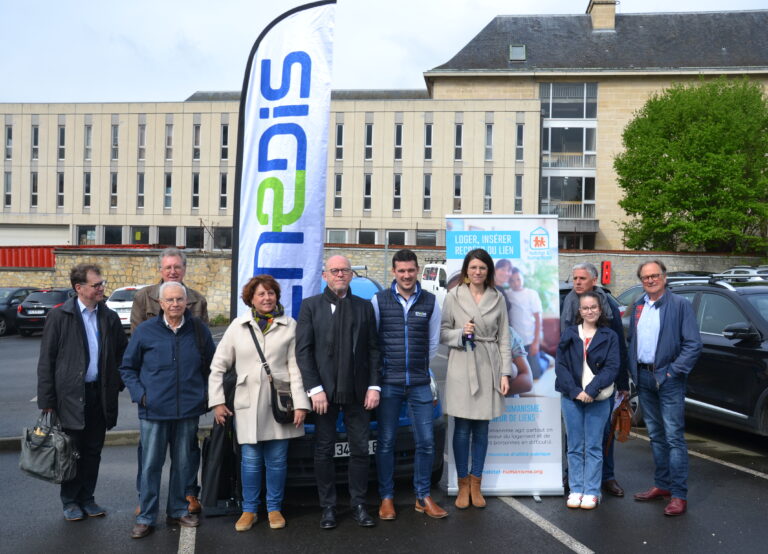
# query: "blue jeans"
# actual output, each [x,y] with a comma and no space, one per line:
[584,426]
[664,414]
[419,399]
[156,437]
[463,429]
[273,455]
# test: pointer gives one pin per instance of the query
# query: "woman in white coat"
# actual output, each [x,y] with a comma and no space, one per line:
[263,441]
[475,325]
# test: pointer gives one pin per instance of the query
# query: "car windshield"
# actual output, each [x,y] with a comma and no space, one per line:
[5,293]
[760,303]
[123,295]
[45,296]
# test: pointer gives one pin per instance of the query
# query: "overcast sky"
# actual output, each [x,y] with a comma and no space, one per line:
[164,50]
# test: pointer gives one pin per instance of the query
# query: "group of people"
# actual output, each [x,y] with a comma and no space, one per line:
[350,356]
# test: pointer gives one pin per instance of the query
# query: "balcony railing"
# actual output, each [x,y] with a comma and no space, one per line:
[568,210]
[567,160]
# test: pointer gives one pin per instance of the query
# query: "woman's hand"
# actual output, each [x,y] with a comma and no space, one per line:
[298,417]
[584,397]
[504,385]
[220,413]
[469,328]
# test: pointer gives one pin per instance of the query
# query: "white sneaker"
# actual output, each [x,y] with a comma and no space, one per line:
[589,502]
[574,500]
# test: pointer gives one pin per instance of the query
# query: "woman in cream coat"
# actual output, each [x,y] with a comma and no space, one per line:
[264,442]
[475,325]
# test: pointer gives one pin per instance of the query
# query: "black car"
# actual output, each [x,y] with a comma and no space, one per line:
[10,298]
[32,312]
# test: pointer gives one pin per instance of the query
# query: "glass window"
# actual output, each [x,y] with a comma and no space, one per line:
[113,189]
[716,312]
[8,142]
[427,203]
[396,238]
[339,141]
[427,141]
[367,191]
[115,146]
[223,191]
[760,303]
[166,235]
[60,189]
[88,142]
[113,234]
[457,141]
[169,141]
[62,145]
[487,190]
[222,238]
[224,141]
[139,190]
[337,191]
[7,189]
[196,141]
[591,101]
[519,143]
[86,235]
[457,192]
[369,141]
[168,192]
[195,190]
[142,140]
[337,236]
[398,141]
[518,194]
[366,236]
[140,234]
[567,100]
[488,142]
[35,142]
[194,237]
[426,238]
[397,192]
[87,189]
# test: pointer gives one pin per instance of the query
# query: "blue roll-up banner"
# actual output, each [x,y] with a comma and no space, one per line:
[524,447]
[282,140]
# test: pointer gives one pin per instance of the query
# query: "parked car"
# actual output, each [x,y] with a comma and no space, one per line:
[744,272]
[121,300]
[10,299]
[31,313]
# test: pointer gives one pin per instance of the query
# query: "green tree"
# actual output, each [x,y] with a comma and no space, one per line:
[695,169]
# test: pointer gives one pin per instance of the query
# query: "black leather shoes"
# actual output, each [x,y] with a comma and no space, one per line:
[612,487]
[362,517]
[190,520]
[140,530]
[328,519]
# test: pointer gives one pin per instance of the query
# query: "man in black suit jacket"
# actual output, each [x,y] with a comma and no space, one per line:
[338,355]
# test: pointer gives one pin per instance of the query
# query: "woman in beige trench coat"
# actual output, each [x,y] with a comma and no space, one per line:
[263,441]
[475,326]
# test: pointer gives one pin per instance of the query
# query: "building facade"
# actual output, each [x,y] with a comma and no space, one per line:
[525,119]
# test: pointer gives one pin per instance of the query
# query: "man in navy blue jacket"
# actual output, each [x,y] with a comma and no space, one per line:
[664,344]
[164,370]
[408,321]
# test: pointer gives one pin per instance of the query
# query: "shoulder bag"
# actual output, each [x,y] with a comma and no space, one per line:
[281,398]
[47,452]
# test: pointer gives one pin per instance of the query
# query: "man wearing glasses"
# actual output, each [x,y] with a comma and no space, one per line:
[664,344]
[77,378]
[338,355]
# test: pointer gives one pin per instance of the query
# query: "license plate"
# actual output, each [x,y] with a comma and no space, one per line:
[35,312]
[341,449]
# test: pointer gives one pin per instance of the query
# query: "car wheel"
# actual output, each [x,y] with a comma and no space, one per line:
[25,332]
[3,326]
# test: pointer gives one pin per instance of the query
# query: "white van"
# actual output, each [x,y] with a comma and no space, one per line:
[433,279]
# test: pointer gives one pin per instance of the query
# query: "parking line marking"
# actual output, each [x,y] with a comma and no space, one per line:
[709,458]
[34,399]
[547,526]
[187,540]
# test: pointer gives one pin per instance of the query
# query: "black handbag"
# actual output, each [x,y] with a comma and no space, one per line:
[47,452]
[281,398]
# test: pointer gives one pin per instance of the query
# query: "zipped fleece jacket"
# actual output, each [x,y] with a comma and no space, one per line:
[165,369]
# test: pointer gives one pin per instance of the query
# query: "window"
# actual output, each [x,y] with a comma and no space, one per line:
[113,234]
[140,234]
[457,140]
[115,144]
[369,141]
[62,144]
[366,237]
[716,312]
[224,141]
[518,194]
[86,235]
[426,238]
[519,143]
[222,238]
[576,241]
[140,190]
[427,141]
[195,190]
[487,190]
[113,189]
[568,147]
[169,141]
[166,235]
[568,100]
[339,141]
[337,191]
[568,197]
[7,189]
[88,142]
[427,202]
[337,236]
[194,237]
[33,190]
[396,238]
[142,141]
[35,142]
[60,189]
[8,142]
[87,189]
[196,141]
[367,192]
[168,192]
[223,191]
[398,141]
[397,192]
[488,142]
[457,192]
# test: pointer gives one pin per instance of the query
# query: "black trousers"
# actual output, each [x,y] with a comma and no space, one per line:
[89,442]
[357,420]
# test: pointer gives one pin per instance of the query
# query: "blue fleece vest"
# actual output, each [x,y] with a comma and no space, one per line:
[404,345]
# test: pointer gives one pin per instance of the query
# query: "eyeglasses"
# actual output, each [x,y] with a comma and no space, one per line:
[173,300]
[340,271]
[651,277]
[172,268]
[99,285]
[589,309]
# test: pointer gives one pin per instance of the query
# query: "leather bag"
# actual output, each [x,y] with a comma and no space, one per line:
[47,452]
[281,398]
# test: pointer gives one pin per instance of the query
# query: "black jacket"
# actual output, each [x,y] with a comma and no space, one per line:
[64,360]
[314,360]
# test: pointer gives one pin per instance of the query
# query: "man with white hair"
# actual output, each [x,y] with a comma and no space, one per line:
[165,368]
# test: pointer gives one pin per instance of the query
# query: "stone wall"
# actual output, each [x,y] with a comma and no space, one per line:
[210,272]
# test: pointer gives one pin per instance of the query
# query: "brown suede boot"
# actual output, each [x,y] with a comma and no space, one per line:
[246,521]
[462,500]
[477,498]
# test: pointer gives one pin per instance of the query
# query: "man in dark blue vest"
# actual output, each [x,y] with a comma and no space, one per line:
[408,320]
